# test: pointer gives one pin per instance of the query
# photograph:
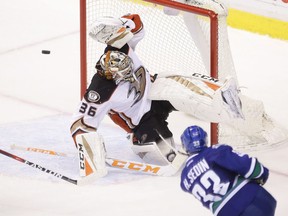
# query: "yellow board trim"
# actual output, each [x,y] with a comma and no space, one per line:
[258,24]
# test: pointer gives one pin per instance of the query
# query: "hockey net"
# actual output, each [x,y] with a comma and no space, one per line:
[187,37]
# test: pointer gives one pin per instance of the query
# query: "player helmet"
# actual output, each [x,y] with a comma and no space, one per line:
[117,66]
[194,139]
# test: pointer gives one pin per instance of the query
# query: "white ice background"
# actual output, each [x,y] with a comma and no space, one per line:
[39,92]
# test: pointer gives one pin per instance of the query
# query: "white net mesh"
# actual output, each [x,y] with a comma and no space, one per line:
[170,44]
[159,50]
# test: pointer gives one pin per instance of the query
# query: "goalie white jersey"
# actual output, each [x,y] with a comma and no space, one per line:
[127,102]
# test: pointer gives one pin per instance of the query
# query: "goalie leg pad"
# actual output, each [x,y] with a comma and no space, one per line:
[208,101]
[92,154]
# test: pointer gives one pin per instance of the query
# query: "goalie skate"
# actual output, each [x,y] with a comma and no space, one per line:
[231,98]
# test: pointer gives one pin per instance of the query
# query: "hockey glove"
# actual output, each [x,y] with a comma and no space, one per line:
[137,20]
[262,180]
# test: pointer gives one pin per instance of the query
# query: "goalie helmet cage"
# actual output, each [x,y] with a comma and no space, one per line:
[183,36]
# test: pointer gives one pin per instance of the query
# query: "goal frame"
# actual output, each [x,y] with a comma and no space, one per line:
[213,18]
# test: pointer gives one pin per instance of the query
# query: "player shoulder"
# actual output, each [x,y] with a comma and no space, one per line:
[100,89]
[221,146]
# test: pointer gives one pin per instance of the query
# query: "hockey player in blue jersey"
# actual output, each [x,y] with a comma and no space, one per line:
[224,181]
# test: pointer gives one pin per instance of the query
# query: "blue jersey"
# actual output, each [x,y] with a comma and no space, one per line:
[219,176]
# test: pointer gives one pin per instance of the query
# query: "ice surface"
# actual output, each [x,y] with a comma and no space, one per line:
[39,92]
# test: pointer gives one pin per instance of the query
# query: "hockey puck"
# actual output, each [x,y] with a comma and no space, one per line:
[45,51]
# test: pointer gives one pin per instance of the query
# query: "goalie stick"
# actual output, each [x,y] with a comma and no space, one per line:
[41,168]
[167,170]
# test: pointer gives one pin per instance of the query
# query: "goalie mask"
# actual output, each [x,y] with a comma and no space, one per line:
[112,31]
[194,139]
[116,66]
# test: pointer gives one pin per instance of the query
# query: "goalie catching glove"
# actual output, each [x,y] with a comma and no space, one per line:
[116,32]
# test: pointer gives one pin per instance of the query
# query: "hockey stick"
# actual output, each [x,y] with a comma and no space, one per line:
[167,170]
[43,151]
[41,168]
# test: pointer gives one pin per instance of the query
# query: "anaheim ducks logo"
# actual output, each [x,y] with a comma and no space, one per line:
[138,86]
